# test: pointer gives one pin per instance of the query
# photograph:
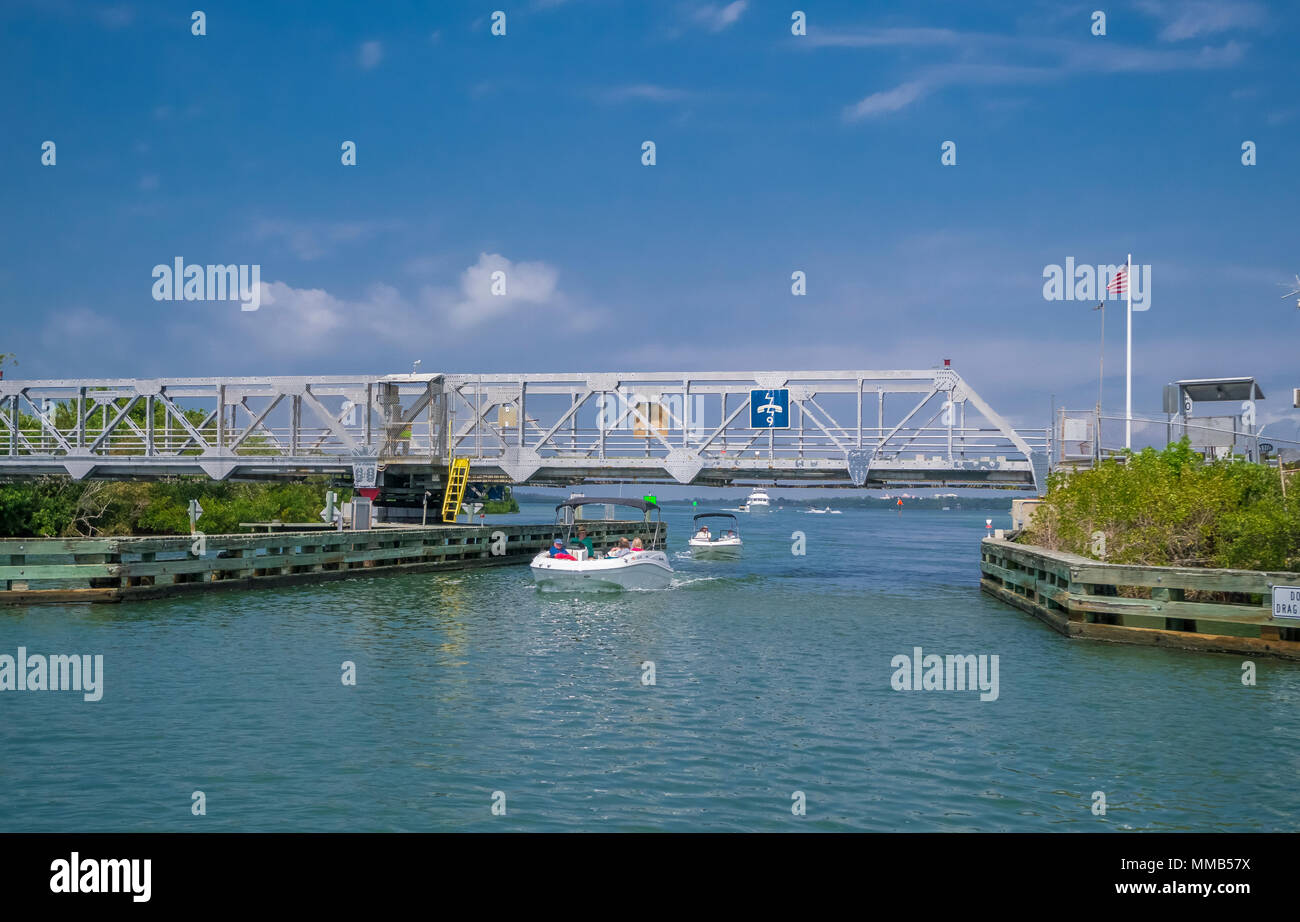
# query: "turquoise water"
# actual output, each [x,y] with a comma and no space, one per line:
[772,676]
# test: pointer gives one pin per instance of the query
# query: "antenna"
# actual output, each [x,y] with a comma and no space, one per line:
[1295,292]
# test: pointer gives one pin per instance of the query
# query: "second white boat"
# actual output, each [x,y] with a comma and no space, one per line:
[725,545]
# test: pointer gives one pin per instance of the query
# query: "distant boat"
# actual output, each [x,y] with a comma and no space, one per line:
[758,501]
[726,544]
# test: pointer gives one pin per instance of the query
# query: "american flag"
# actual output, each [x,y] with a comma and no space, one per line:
[1118,284]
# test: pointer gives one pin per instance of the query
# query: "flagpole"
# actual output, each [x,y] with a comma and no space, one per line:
[1128,388]
[1101,363]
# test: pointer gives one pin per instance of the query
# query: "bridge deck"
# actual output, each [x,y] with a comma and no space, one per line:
[689,427]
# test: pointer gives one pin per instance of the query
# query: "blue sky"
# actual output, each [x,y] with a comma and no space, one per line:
[775,153]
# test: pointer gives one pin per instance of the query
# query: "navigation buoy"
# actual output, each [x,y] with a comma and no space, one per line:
[900,502]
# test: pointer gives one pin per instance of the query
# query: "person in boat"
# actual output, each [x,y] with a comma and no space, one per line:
[558,551]
[703,532]
[586,542]
[731,534]
[636,545]
[622,547]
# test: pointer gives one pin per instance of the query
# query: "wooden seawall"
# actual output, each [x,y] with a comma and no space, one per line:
[1081,597]
[115,569]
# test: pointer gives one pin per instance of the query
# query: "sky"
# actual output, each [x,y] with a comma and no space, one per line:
[775,152]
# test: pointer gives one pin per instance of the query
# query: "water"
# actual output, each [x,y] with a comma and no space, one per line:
[772,676]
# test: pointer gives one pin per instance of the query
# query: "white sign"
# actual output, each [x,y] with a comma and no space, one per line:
[364,474]
[1286,602]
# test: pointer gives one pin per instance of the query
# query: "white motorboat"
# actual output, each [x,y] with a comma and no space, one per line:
[827,511]
[724,545]
[758,501]
[577,571]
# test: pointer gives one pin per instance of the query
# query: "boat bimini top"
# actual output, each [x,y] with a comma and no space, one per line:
[570,523]
[735,523]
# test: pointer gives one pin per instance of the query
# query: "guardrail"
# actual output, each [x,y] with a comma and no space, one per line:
[1081,597]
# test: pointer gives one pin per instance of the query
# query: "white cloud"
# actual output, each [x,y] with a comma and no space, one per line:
[900,97]
[313,323]
[370,55]
[527,286]
[888,38]
[311,320]
[309,240]
[715,18]
[1186,19]
[1015,61]
[648,92]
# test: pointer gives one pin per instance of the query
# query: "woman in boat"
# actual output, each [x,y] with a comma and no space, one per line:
[618,550]
[636,545]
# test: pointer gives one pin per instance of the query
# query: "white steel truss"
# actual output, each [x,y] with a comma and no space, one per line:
[688,427]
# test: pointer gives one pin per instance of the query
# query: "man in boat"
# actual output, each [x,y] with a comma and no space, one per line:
[703,532]
[586,542]
[558,551]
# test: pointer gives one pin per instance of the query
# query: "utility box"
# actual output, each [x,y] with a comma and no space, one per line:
[1206,432]
[1022,512]
[361,513]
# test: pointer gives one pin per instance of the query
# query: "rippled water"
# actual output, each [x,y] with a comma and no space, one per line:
[772,676]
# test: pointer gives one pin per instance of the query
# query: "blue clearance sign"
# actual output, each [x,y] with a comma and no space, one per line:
[769,409]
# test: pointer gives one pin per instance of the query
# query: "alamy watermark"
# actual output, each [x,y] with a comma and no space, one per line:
[932,672]
[57,672]
[75,874]
[1084,282]
[181,282]
[644,414]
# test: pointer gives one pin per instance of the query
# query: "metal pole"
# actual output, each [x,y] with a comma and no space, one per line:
[1128,388]
[1101,363]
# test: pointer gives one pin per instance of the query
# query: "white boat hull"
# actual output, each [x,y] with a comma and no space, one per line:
[638,570]
[722,549]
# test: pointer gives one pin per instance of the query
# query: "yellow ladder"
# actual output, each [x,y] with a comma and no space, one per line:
[454,494]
